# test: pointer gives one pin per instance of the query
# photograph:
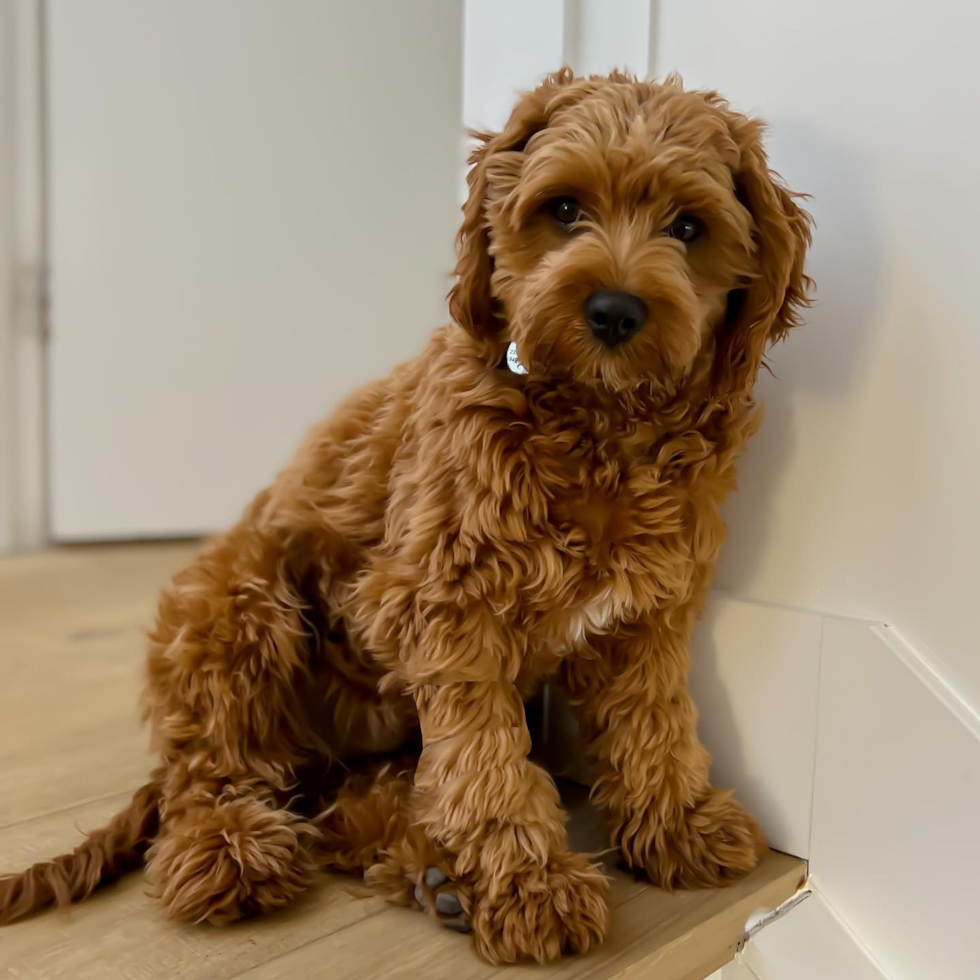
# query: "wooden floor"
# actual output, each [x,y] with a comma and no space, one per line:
[72,751]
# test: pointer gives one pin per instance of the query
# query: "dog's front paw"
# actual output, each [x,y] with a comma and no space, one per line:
[711,844]
[539,913]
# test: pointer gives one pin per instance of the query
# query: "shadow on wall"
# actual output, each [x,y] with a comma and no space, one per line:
[720,727]
[819,360]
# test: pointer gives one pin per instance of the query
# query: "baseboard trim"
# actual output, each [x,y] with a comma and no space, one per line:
[922,664]
[924,669]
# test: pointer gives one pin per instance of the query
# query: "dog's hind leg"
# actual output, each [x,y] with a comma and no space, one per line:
[229,652]
[229,849]
[368,829]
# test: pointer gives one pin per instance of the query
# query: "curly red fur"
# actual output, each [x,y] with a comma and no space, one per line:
[455,534]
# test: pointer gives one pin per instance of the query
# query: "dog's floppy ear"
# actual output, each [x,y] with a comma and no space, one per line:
[770,304]
[471,303]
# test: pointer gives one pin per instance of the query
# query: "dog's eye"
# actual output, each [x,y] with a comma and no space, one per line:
[685,229]
[565,211]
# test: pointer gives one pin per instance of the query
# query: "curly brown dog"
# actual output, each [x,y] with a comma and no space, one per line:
[473,525]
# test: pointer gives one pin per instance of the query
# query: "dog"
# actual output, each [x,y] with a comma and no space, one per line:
[339,681]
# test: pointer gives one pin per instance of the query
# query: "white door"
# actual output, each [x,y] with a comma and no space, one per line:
[252,206]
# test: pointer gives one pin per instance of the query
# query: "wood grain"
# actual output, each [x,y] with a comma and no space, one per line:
[72,750]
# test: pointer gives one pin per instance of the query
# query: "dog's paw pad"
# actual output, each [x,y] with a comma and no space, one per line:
[434,877]
[448,903]
[439,897]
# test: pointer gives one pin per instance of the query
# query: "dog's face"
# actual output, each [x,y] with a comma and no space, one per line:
[615,229]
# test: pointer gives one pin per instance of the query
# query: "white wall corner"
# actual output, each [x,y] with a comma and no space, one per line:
[755,679]
[653,36]
[570,30]
[598,36]
[509,45]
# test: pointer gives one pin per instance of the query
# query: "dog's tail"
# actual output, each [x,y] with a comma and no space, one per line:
[107,854]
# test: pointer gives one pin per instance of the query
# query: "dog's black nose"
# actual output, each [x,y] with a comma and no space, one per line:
[614,316]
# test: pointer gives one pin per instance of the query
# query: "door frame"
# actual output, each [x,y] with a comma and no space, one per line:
[23,278]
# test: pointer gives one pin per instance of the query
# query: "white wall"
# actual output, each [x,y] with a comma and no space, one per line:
[604,34]
[508,45]
[860,494]
[858,498]
[755,682]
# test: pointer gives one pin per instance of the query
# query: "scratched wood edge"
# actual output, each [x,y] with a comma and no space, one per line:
[716,937]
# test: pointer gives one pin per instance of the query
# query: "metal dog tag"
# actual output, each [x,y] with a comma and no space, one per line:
[514,360]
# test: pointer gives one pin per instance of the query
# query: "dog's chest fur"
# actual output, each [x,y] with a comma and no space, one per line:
[606,531]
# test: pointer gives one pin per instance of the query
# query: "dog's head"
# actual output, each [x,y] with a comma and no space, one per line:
[614,229]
